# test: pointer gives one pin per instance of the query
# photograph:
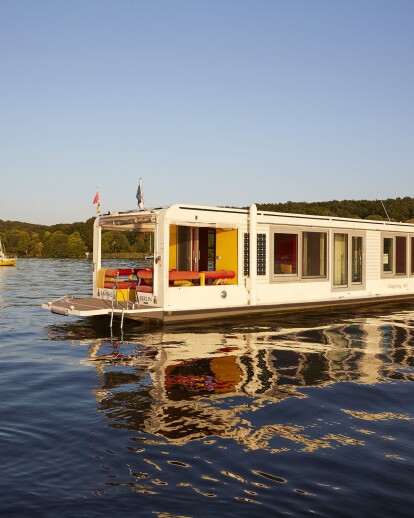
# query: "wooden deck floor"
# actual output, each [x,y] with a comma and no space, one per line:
[92,306]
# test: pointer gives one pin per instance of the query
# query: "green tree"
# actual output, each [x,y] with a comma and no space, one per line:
[57,245]
[106,242]
[375,217]
[77,247]
[23,245]
[113,242]
[12,240]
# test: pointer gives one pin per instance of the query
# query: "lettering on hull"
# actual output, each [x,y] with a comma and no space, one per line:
[143,298]
[146,298]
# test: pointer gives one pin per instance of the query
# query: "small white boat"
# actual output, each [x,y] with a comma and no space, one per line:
[214,262]
[4,259]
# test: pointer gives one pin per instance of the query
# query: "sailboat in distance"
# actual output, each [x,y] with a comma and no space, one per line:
[4,259]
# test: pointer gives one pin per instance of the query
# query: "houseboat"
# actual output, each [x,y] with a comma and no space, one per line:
[212,262]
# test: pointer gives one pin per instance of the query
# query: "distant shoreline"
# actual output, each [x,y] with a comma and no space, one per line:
[119,255]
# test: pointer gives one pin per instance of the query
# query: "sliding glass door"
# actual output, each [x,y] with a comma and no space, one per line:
[348,260]
[340,263]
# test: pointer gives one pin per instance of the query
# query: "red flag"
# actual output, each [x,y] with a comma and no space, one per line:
[96,199]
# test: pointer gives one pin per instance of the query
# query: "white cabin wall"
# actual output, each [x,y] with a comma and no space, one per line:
[373,256]
[205,297]
[300,291]
[283,291]
[96,259]
[161,244]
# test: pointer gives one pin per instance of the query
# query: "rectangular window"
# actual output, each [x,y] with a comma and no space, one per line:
[356,260]
[348,261]
[400,255]
[412,256]
[211,249]
[340,260]
[314,254]
[285,254]
[184,243]
[387,255]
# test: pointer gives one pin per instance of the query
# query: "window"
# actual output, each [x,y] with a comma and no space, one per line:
[412,256]
[298,254]
[206,249]
[314,254]
[184,248]
[211,249]
[387,255]
[340,279]
[348,261]
[285,254]
[394,255]
[400,255]
[357,259]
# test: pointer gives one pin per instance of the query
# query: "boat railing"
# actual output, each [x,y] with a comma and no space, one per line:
[136,299]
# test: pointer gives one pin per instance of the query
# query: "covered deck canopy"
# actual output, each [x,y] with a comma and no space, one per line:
[129,221]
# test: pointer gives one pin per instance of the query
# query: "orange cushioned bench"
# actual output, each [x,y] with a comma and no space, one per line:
[217,274]
[175,275]
[143,273]
[112,277]
[176,278]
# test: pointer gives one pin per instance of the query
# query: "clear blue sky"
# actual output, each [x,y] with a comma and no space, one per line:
[213,102]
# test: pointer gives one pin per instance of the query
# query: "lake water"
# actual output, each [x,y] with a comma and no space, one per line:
[306,414]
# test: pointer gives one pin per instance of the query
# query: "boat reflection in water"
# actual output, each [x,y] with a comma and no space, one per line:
[181,387]
[290,414]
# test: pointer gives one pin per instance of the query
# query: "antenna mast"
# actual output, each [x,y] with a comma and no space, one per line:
[383,206]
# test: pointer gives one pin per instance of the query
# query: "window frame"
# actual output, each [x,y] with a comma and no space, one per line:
[350,233]
[408,255]
[411,255]
[299,231]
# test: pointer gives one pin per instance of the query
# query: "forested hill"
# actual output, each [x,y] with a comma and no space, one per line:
[399,209]
[75,239]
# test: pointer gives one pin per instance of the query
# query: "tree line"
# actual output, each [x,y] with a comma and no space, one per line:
[67,240]
[76,239]
[398,209]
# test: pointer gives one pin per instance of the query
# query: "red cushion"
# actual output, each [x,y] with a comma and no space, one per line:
[121,285]
[183,276]
[223,274]
[144,273]
[118,272]
[145,288]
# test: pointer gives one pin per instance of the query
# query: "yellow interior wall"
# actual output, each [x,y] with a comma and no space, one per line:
[173,248]
[226,249]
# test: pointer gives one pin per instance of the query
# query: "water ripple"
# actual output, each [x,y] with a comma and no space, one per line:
[296,414]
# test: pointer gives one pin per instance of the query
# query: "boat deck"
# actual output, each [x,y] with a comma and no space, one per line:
[93,306]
